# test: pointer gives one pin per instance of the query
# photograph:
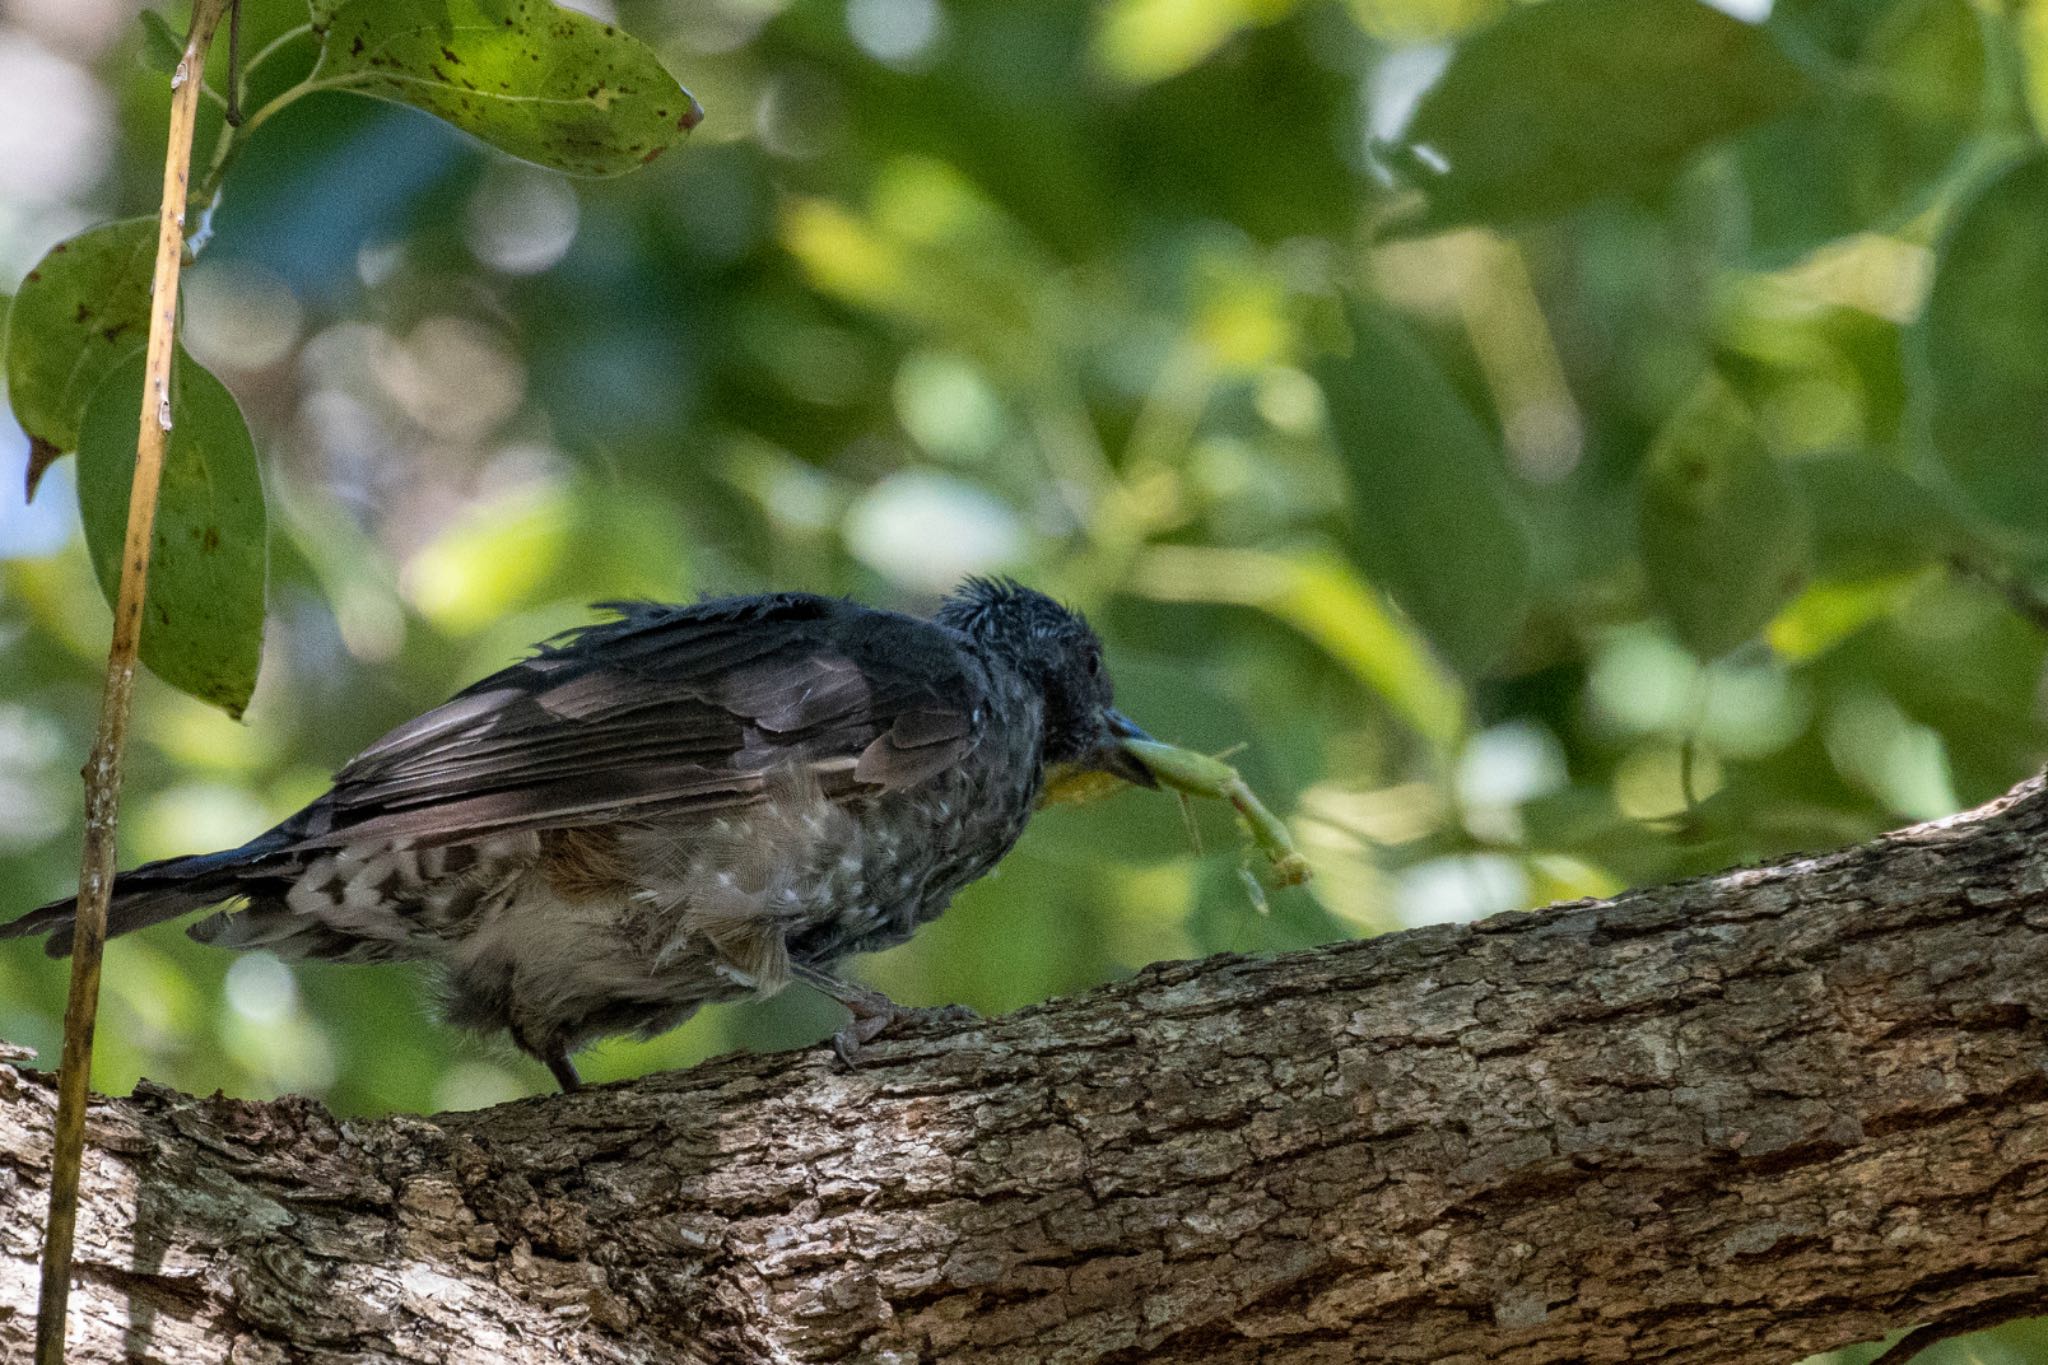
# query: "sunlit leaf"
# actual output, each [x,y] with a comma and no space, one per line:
[554,86]
[1325,600]
[2029,28]
[1980,384]
[1723,531]
[202,625]
[1417,21]
[1430,509]
[1564,102]
[1826,614]
[1140,41]
[80,312]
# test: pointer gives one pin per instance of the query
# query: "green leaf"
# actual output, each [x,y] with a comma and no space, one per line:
[82,311]
[1723,531]
[162,49]
[1422,21]
[1872,519]
[202,626]
[1980,377]
[1324,598]
[1141,41]
[1903,94]
[1564,102]
[548,84]
[2027,23]
[1431,514]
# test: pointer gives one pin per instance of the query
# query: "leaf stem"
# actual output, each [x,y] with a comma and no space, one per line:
[2019,595]
[229,145]
[103,768]
[234,105]
[270,48]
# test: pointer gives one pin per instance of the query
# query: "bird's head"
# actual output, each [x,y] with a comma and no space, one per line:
[1058,652]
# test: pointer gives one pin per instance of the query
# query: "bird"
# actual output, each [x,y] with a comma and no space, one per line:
[677,805]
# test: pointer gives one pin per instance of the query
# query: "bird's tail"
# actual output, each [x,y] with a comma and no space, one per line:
[152,893]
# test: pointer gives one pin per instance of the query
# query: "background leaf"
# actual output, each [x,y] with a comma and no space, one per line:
[202,627]
[554,86]
[1564,102]
[1325,600]
[1981,348]
[933,304]
[1430,510]
[80,312]
[1723,532]
[1871,518]
[162,49]
[1899,91]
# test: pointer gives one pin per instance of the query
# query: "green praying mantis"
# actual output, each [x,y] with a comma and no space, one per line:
[1195,774]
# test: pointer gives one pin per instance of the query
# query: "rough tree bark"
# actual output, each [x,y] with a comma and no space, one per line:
[1741,1118]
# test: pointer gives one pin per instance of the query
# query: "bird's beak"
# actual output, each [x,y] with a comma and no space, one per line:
[1115,759]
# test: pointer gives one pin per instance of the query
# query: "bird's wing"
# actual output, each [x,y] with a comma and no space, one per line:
[668,711]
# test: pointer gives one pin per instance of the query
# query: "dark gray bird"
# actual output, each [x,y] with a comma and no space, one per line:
[683,805]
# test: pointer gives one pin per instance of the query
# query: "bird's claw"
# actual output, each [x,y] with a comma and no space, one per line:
[857,1034]
[876,1016]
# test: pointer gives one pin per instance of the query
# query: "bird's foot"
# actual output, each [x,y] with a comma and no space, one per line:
[878,1014]
[874,1013]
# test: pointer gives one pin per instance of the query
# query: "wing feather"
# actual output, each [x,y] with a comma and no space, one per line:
[667,712]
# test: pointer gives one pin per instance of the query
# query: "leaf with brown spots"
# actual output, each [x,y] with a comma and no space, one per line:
[1725,535]
[82,311]
[202,629]
[547,84]
[41,455]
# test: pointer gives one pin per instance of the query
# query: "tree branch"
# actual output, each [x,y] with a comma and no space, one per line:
[103,766]
[1736,1119]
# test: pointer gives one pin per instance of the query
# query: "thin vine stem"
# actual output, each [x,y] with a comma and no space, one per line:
[1688,749]
[234,105]
[103,768]
[276,44]
[234,135]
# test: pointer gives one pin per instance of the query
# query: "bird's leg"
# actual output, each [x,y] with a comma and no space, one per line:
[558,1062]
[554,1054]
[873,1012]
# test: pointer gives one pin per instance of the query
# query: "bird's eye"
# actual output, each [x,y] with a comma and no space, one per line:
[1094,663]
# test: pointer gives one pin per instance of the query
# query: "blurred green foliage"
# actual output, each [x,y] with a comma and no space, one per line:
[1569,445]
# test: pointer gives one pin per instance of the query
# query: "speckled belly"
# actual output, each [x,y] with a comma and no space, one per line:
[904,880]
[722,909]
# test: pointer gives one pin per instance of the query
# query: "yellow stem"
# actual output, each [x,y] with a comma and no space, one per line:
[103,768]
